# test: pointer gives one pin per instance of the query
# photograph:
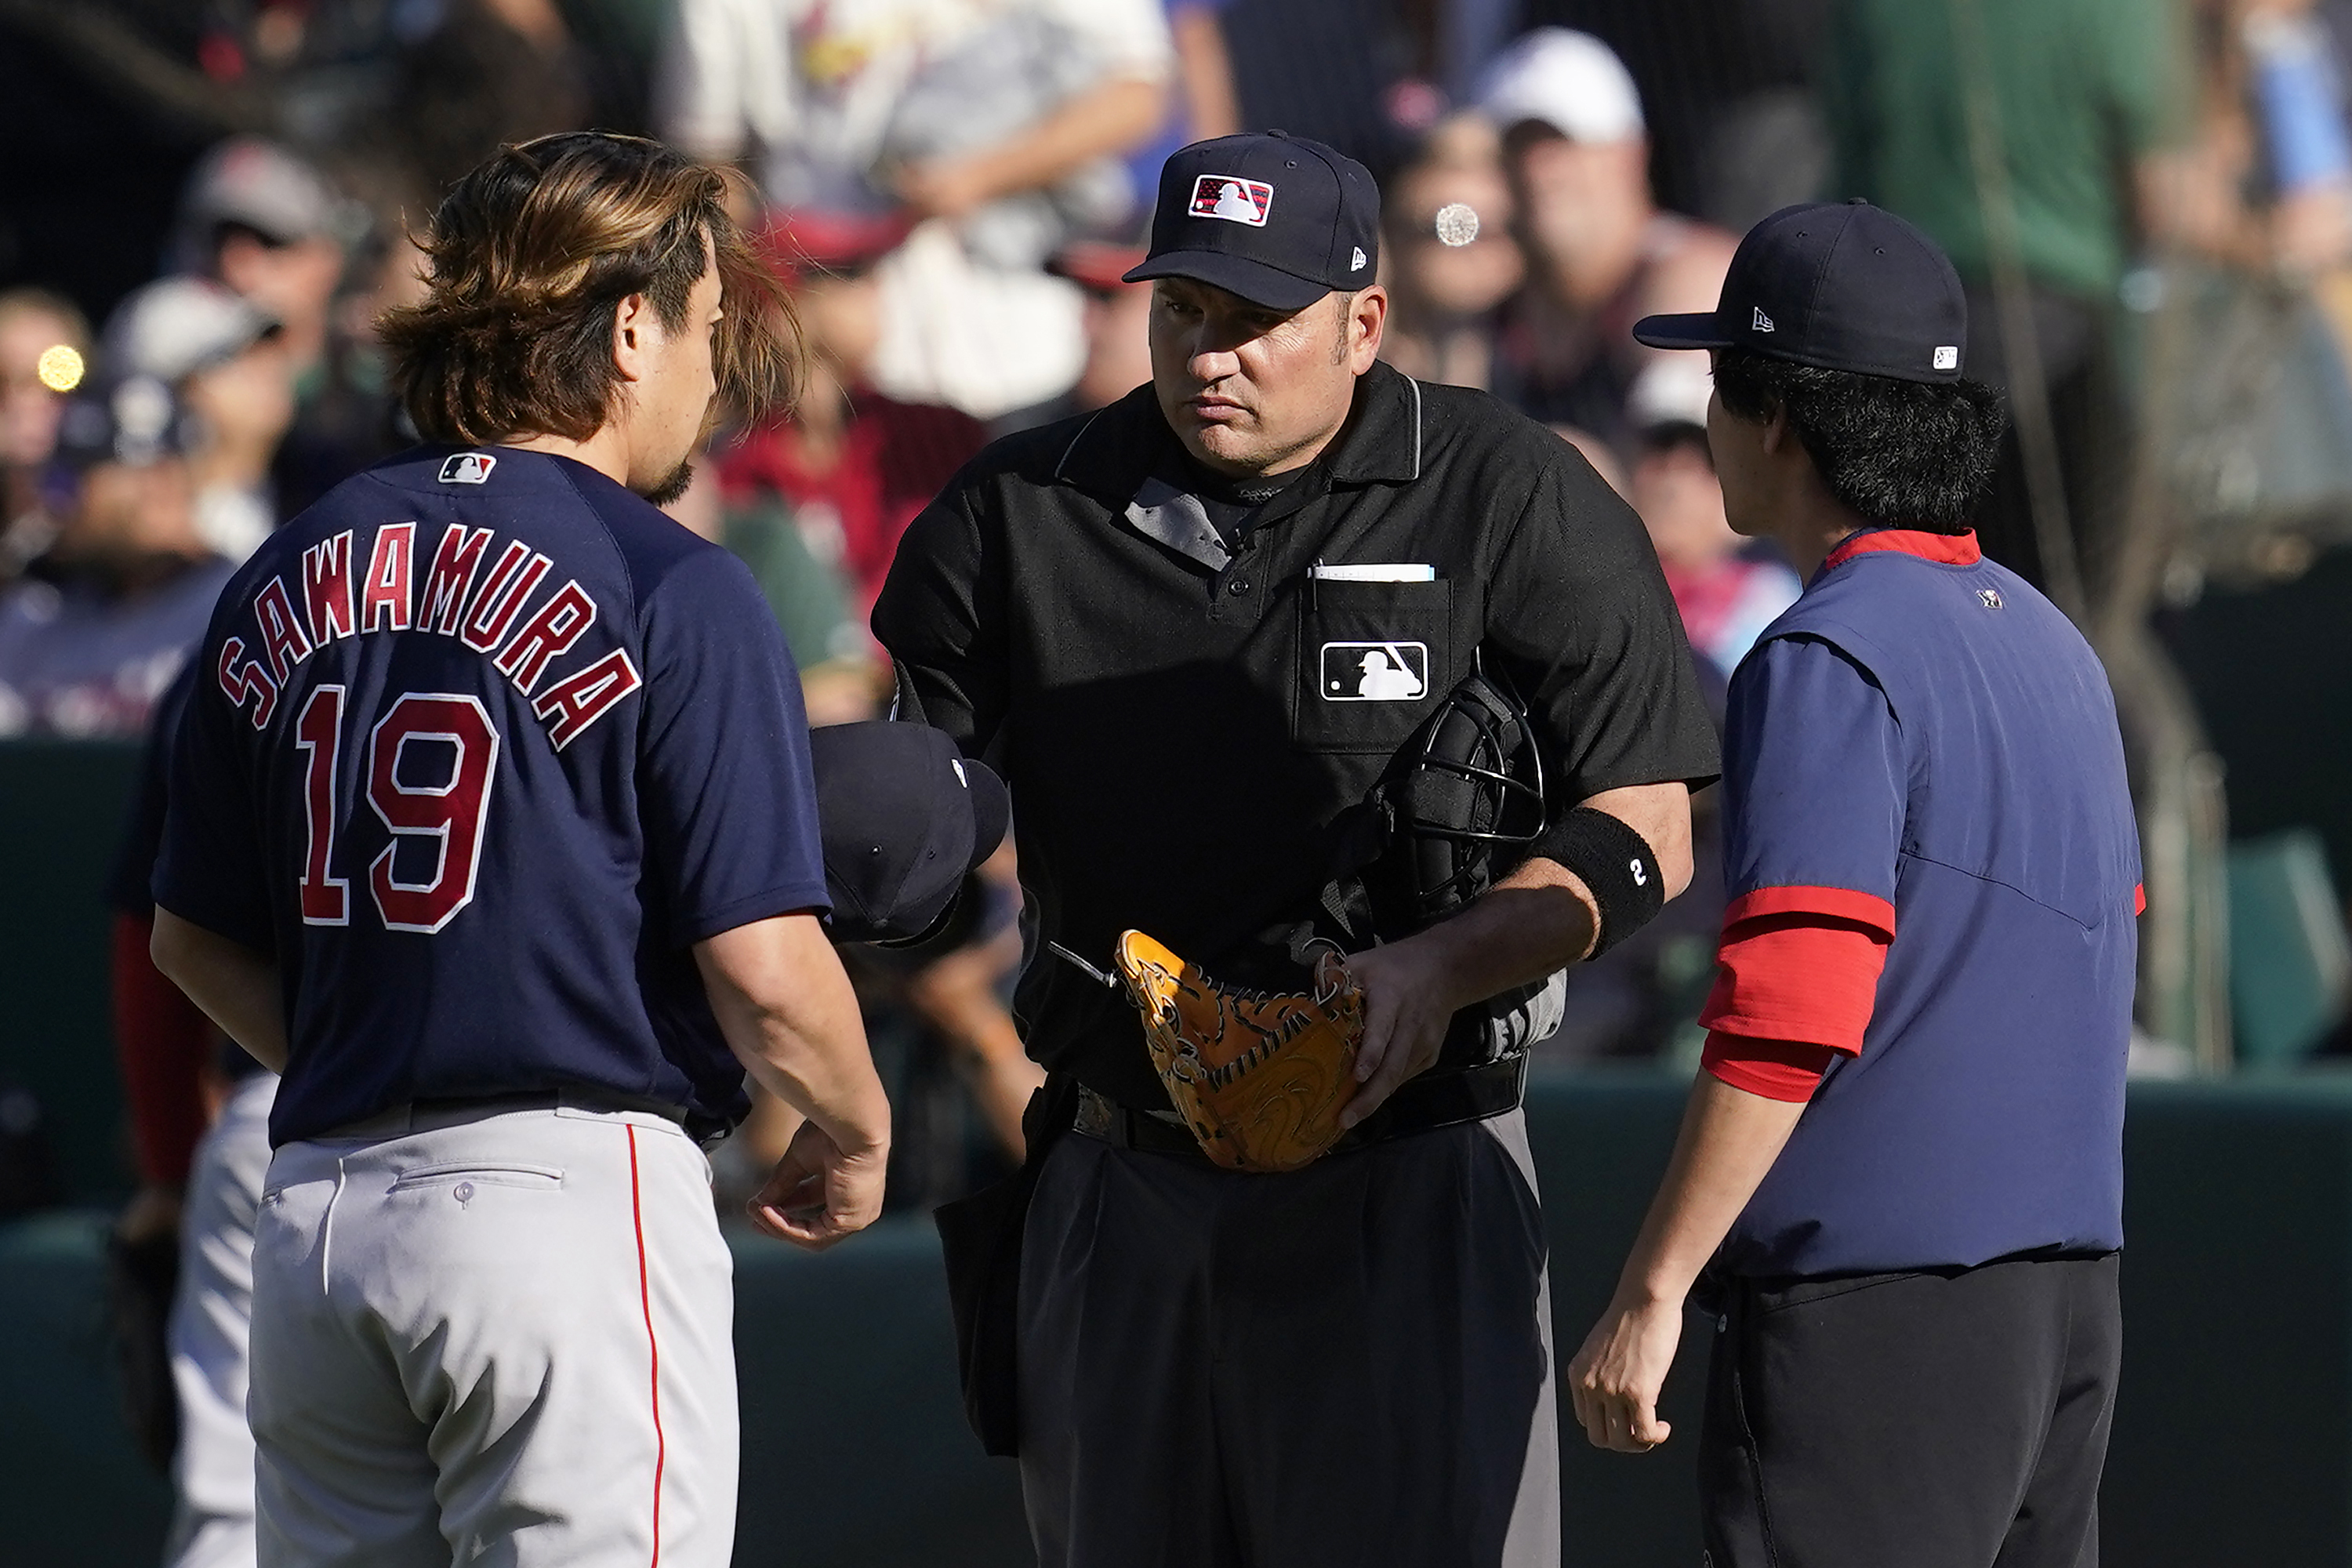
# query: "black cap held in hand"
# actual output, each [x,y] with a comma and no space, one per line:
[1841,286]
[903,818]
[1277,219]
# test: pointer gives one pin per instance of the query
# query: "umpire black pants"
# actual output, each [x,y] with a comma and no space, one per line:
[1935,1420]
[1349,1367]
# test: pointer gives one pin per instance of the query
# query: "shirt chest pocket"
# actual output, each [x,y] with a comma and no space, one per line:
[1372,659]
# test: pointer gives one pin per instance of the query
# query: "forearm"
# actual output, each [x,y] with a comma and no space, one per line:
[1100,123]
[1541,917]
[1728,1140]
[789,1014]
[237,987]
[1534,921]
[1206,68]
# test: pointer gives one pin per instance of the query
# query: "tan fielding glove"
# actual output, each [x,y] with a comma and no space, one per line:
[1259,1079]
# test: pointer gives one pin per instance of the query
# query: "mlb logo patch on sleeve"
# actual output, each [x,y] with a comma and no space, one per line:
[1374,671]
[467,469]
[1233,198]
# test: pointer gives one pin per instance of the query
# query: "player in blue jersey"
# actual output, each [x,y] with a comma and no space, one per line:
[491,826]
[1902,1168]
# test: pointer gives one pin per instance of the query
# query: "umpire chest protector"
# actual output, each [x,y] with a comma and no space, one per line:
[1192,701]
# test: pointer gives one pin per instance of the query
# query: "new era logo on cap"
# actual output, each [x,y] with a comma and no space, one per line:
[1356,260]
[1948,358]
[467,469]
[1235,199]
[1763,323]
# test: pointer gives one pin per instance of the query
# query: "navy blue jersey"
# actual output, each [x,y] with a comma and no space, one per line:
[481,743]
[1925,738]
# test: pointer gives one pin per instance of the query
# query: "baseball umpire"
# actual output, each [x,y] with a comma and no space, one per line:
[491,826]
[1159,618]
[1905,1155]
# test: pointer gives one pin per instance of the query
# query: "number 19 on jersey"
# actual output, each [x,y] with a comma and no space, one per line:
[449,815]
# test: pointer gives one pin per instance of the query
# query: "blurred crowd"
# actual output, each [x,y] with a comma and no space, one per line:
[952,190]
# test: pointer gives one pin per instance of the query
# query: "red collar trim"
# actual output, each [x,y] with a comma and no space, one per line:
[1944,549]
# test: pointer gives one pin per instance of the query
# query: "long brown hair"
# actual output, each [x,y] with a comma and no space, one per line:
[531,254]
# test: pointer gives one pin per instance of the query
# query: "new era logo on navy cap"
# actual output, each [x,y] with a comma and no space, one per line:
[1841,286]
[1277,219]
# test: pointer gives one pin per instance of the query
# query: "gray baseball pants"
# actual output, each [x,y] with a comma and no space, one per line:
[211,1328]
[1346,1365]
[494,1339]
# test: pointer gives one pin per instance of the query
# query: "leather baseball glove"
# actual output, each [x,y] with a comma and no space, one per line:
[1259,1079]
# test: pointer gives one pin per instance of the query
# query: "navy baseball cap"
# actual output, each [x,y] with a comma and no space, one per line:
[903,818]
[1837,285]
[1277,219]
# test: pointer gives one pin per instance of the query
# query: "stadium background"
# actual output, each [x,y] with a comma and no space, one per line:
[2217,583]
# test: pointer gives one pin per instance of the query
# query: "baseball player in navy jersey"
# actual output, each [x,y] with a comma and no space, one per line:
[1902,1170]
[491,826]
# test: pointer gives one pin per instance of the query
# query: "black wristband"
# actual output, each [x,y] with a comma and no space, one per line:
[1616,863]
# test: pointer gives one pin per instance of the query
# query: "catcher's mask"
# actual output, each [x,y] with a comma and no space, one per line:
[1466,791]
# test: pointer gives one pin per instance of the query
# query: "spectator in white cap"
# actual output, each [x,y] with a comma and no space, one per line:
[1600,253]
[225,357]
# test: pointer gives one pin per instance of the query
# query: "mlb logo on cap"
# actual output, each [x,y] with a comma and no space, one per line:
[1235,199]
[468,469]
[1216,221]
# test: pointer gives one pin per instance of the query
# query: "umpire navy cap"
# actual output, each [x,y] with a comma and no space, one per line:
[1841,286]
[905,817]
[1275,218]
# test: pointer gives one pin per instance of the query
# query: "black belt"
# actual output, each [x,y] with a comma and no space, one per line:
[1419,1105]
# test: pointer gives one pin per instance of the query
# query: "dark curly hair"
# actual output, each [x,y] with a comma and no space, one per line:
[1911,453]
[531,254]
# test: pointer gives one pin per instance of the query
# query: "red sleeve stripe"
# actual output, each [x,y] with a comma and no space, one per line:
[1834,903]
[1787,1070]
[1796,977]
[2139,898]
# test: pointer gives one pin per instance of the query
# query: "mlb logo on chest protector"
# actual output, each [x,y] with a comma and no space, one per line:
[1374,671]
[467,469]
[1233,198]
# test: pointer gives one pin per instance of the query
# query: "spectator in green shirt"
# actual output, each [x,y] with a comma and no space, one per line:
[2086,97]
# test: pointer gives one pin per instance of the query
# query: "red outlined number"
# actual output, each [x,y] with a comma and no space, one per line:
[451,813]
[326,900]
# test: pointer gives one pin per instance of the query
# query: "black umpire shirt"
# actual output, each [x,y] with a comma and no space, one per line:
[1181,719]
